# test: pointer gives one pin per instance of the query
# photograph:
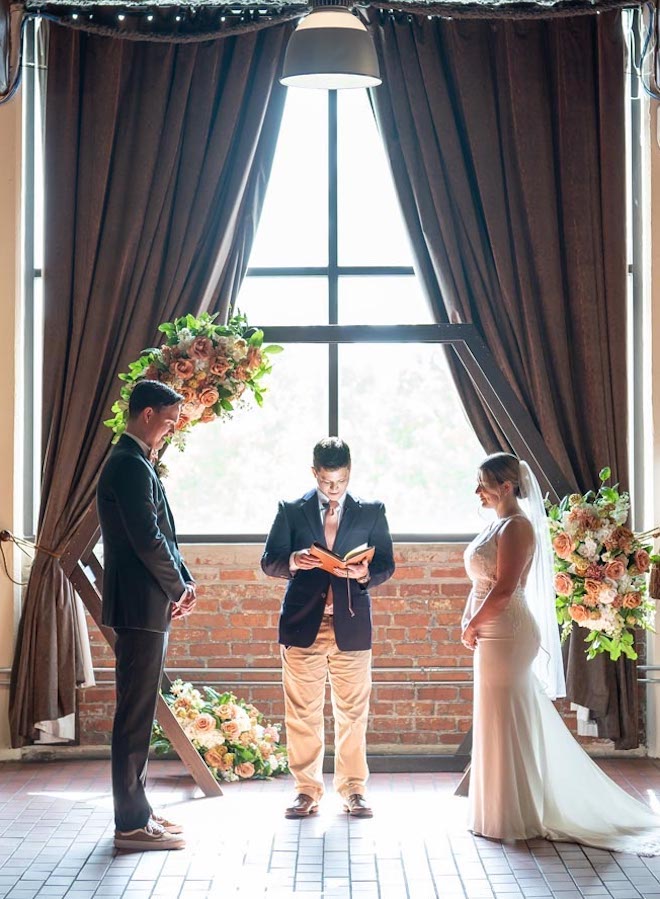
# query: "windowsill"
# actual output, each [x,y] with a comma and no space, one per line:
[230,539]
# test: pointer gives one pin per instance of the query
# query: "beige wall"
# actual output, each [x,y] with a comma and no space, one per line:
[10,242]
[651,195]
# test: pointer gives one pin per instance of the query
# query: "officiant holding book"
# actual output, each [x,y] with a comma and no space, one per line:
[325,624]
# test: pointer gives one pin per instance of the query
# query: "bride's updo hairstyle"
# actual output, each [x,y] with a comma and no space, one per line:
[501,467]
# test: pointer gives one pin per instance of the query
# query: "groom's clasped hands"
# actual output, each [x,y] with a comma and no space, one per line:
[187,602]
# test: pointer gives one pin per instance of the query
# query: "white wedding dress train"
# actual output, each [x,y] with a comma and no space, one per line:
[529,776]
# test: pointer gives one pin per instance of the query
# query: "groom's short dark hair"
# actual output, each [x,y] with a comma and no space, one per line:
[331,453]
[151,394]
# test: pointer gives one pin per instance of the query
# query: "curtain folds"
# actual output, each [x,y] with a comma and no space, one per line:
[157,156]
[507,145]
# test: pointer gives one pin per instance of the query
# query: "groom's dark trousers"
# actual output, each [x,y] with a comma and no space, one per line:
[144,575]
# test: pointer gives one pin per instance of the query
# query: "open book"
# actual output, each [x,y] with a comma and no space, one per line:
[331,560]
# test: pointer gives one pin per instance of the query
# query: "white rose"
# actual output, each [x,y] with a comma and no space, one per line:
[606,594]
[588,549]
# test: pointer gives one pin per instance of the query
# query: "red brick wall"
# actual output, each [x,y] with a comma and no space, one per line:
[416,625]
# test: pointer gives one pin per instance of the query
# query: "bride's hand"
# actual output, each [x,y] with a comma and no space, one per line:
[469,637]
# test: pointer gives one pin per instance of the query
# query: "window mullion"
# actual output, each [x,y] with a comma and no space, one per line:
[29,275]
[333,278]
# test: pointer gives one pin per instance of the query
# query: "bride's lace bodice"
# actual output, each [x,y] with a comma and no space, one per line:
[481,566]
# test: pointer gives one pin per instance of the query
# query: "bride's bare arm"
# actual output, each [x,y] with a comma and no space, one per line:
[514,546]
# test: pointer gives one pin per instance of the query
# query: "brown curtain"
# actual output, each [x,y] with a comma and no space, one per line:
[157,159]
[507,144]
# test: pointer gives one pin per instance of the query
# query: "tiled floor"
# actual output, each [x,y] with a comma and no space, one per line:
[56,840]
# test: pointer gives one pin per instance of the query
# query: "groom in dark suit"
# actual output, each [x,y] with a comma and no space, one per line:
[145,585]
[325,626]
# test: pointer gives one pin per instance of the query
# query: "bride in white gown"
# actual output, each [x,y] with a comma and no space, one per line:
[529,777]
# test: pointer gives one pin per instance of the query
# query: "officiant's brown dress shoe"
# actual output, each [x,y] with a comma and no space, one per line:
[302,807]
[357,807]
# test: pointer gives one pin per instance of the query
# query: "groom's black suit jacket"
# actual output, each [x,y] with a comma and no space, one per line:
[143,569]
[298,525]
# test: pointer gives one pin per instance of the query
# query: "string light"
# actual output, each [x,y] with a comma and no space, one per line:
[121,17]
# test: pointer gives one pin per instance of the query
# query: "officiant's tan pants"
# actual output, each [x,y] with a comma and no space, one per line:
[304,675]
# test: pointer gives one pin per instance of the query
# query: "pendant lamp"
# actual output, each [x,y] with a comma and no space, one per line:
[330,49]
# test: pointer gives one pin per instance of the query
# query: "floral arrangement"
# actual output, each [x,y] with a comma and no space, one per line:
[230,734]
[600,570]
[209,365]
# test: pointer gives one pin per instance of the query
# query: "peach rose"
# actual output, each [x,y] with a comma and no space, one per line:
[219,367]
[563,584]
[578,613]
[228,761]
[183,368]
[204,723]
[225,711]
[592,586]
[209,397]
[241,372]
[183,422]
[253,357]
[563,545]
[245,738]
[590,600]
[207,415]
[245,769]
[265,749]
[642,561]
[632,601]
[201,348]
[618,602]
[231,729]
[214,758]
[188,394]
[615,569]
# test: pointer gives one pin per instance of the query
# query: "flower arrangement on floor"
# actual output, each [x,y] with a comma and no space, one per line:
[210,365]
[600,570]
[230,734]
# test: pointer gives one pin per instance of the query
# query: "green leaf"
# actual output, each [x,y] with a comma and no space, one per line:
[273,349]
[605,474]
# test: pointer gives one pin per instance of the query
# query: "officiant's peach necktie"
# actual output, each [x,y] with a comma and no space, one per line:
[330,525]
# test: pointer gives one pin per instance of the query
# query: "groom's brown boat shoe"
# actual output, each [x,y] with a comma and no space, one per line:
[302,807]
[357,807]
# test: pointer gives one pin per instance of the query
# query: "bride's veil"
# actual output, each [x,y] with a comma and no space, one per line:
[540,591]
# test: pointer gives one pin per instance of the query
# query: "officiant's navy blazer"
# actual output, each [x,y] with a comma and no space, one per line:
[298,525]
[143,569]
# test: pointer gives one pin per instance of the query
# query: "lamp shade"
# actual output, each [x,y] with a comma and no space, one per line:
[330,49]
